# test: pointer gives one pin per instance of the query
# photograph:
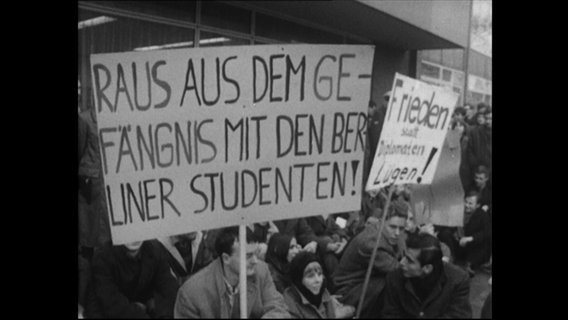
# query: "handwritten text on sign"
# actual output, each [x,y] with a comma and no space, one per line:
[196,139]
[417,119]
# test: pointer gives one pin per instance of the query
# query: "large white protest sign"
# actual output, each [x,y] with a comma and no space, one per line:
[194,139]
[416,122]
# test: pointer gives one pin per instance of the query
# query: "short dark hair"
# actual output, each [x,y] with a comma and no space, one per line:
[473,193]
[227,237]
[429,246]
[397,209]
[460,111]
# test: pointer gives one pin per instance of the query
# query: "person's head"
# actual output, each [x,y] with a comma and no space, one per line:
[488,118]
[469,112]
[481,176]
[395,223]
[471,201]
[482,107]
[422,257]
[459,113]
[480,119]
[133,248]
[410,223]
[306,273]
[281,250]
[227,247]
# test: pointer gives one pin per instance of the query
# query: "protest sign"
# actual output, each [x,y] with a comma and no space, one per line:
[416,122]
[193,139]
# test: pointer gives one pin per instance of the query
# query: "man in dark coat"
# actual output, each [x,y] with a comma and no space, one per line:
[479,145]
[473,242]
[424,286]
[131,281]
[350,274]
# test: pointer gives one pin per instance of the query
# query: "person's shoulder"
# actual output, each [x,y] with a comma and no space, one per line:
[262,268]
[455,273]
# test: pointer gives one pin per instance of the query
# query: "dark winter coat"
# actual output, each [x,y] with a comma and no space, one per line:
[448,299]
[119,281]
[350,273]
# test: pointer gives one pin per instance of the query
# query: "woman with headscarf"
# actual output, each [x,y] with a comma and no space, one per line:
[308,297]
[281,250]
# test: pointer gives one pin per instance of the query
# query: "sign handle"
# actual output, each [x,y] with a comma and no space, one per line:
[371,262]
[243,270]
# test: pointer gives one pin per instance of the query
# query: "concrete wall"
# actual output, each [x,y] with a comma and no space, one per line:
[444,18]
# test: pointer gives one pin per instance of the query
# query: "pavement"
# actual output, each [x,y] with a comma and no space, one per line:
[478,291]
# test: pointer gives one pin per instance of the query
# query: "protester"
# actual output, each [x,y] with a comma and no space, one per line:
[479,119]
[308,297]
[332,241]
[262,231]
[479,146]
[281,250]
[130,281]
[350,273]
[186,254]
[483,187]
[213,292]
[94,228]
[424,286]
[301,230]
[375,123]
[469,115]
[473,242]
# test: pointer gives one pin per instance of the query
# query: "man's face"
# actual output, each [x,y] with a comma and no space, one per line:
[480,180]
[394,227]
[232,261]
[480,119]
[410,265]
[488,120]
[471,204]
[468,111]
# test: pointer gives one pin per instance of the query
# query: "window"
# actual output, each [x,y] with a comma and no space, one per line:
[224,16]
[447,75]
[430,70]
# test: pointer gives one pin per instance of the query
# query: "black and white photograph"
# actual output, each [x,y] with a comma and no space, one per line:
[285,159]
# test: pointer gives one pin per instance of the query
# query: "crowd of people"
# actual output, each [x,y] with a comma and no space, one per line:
[311,267]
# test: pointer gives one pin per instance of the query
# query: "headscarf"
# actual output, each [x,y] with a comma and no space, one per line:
[277,252]
[297,268]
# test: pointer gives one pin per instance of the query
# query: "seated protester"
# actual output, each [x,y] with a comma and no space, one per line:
[186,254]
[301,230]
[308,297]
[213,292]
[424,286]
[331,241]
[350,273]
[281,250]
[262,231]
[483,187]
[412,228]
[131,281]
[473,242]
